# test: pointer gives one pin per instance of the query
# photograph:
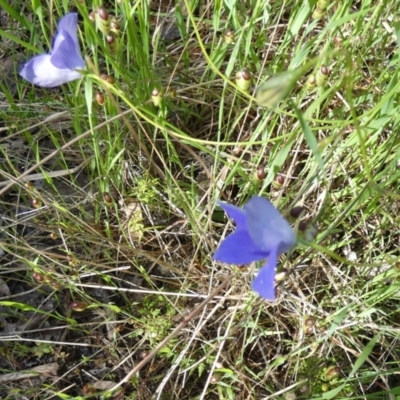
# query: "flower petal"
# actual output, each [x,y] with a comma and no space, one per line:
[69,24]
[238,248]
[267,228]
[40,71]
[236,213]
[264,282]
[64,55]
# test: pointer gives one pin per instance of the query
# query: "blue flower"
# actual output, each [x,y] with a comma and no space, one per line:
[261,232]
[60,65]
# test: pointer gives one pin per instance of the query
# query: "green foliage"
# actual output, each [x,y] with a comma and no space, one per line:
[318,115]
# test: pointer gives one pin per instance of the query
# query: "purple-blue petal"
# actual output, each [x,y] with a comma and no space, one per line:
[238,248]
[267,228]
[41,72]
[264,282]
[69,24]
[64,55]
[236,213]
[58,67]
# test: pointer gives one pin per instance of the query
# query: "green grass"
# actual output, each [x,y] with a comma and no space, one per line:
[108,268]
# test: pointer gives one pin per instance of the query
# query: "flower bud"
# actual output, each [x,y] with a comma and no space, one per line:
[78,306]
[100,99]
[243,80]
[156,97]
[229,36]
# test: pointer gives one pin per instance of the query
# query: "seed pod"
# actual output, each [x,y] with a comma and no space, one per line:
[38,277]
[314,346]
[29,186]
[296,212]
[278,181]
[108,198]
[303,226]
[311,82]
[318,14]
[55,285]
[156,97]
[115,27]
[214,379]
[110,80]
[103,14]
[102,20]
[78,306]
[237,151]
[229,36]
[243,80]
[310,233]
[88,389]
[322,75]
[281,275]
[113,42]
[172,93]
[308,330]
[36,203]
[100,99]
[92,16]
[260,173]
[324,387]
[309,322]
[322,4]
[72,261]
[332,372]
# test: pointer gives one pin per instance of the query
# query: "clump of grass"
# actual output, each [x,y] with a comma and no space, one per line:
[107,278]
